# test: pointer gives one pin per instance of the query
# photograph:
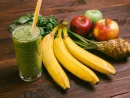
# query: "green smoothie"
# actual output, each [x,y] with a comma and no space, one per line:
[28,52]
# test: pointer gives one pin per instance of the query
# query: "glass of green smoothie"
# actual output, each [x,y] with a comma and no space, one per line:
[28,52]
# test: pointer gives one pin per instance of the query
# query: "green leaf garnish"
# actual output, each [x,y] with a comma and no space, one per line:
[46,24]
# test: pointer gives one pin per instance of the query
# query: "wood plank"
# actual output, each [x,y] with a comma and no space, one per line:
[5,36]
[46,87]
[48,8]
[73,5]
[124,95]
[11,86]
[107,12]
[4,33]
[6,46]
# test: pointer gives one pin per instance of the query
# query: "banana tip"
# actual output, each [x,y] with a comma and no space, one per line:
[114,73]
[97,83]
[66,89]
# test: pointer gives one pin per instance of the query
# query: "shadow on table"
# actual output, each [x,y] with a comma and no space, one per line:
[10,75]
[10,80]
[74,82]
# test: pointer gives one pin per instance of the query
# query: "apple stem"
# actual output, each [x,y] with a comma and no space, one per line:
[106,22]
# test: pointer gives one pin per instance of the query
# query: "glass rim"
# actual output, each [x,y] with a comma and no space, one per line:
[25,40]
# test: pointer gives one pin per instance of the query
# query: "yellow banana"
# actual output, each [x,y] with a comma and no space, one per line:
[70,63]
[51,63]
[87,58]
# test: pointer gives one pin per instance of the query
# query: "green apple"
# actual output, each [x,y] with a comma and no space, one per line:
[93,15]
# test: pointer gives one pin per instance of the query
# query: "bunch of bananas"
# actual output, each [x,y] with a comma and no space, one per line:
[63,50]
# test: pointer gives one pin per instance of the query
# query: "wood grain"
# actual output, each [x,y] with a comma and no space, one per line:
[122,18]
[125,95]
[11,86]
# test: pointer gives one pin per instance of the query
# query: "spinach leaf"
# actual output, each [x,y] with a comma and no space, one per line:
[46,24]
[23,19]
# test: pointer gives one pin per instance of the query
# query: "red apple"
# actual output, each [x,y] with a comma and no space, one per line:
[105,29]
[81,25]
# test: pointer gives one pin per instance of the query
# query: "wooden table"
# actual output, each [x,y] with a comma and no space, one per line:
[11,86]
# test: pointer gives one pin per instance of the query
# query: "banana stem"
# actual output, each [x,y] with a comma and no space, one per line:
[60,31]
[54,30]
[65,31]
[64,24]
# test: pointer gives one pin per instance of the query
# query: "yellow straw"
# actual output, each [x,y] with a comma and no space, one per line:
[38,6]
